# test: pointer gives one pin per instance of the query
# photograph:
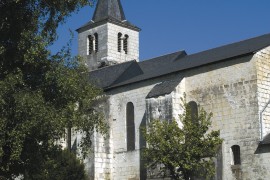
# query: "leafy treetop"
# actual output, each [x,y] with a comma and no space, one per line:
[182,152]
[41,94]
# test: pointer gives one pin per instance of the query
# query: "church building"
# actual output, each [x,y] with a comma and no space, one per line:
[231,81]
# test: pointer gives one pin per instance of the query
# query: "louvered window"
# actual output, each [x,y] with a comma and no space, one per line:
[126,44]
[96,42]
[119,41]
[90,44]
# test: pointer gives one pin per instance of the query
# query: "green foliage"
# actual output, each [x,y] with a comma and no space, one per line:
[183,152]
[40,94]
[62,165]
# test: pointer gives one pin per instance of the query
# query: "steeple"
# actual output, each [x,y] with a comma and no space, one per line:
[109,9]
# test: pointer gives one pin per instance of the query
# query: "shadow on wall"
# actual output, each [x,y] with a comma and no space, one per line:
[262,148]
[264,145]
[142,142]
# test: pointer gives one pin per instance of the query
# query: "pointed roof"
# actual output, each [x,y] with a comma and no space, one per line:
[109,9]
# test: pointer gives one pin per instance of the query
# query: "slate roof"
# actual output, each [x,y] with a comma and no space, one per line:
[163,88]
[132,72]
[152,68]
[266,139]
[242,48]
[106,76]
[108,11]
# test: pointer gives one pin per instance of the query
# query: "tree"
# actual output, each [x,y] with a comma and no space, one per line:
[182,152]
[41,94]
[63,165]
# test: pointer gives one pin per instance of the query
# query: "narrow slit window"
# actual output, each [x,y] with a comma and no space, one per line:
[119,41]
[130,127]
[236,159]
[126,43]
[90,44]
[193,110]
[96,42]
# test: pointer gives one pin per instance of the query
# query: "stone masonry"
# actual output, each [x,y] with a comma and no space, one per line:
[108,50]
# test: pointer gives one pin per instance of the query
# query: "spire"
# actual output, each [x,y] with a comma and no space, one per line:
[109,9]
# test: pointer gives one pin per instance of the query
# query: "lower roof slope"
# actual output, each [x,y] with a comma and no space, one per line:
[163,88]
[266,139]
[131,72]
[106,76]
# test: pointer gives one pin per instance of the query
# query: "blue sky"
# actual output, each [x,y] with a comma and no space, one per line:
[190,25]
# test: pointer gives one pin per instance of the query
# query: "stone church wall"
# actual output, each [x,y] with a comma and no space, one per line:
[229,90]
[98,162]
[263,80]
[177,94]
[126,164]
[233,90]
[159,108]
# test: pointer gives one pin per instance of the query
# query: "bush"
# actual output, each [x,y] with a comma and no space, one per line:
[62,166]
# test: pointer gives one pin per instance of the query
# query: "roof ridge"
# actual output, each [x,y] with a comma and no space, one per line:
[183,51]
[232,43]
[113,65]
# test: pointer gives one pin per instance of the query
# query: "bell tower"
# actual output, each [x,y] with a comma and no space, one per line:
[108,38]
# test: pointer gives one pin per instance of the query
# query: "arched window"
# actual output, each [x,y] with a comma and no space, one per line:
[96,42]
[126,44]
[193,110]
[90,44]
[119,41]
[130,127]
[236,159]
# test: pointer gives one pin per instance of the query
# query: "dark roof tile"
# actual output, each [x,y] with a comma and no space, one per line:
[175,62]
[108,11]
[152,68]
[106,76]
[163,88]
[266,139]
[226,52]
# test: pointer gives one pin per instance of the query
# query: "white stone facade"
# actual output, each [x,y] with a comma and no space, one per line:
[233,98]
[230,90]
[263,83]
